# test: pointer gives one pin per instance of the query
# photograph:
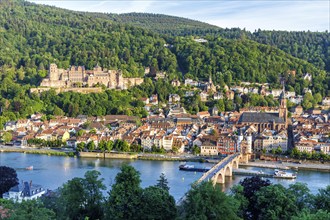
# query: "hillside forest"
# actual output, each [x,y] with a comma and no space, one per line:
[33,36]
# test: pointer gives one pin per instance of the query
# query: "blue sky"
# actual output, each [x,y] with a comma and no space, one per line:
[292,15]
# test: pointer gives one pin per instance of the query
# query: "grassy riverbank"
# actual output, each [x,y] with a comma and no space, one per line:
[48,152]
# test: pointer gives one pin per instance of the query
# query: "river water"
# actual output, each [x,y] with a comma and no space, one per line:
[52,171]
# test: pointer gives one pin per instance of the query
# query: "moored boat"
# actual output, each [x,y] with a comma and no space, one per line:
[187,167]
[284,175]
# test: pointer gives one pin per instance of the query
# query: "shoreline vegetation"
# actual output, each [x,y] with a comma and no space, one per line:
[305,165]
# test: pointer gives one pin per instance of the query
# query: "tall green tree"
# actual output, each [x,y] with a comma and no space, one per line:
[124,201]
[157,203]
[205,202]
[250,187]
[162,182]
[81,197]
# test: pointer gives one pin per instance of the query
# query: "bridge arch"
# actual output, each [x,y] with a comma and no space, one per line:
[228,170]
[220,178]
[235,164]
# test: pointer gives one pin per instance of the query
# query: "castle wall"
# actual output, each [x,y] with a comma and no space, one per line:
[129,82]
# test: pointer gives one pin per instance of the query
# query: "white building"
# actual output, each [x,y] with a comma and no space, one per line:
[276,92]
[326,101]
[173,98]
[190,82]
[24,191]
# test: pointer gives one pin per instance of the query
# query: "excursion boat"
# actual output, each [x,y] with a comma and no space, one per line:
[187,167]
[284,175]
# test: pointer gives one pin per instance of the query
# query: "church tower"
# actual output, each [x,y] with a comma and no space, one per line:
[210,79]
[283,111]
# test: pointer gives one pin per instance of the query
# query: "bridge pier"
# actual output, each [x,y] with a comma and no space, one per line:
[244,158]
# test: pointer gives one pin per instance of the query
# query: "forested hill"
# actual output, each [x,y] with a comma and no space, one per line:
[32,36]
[245,60]
[313,47]
[165,24]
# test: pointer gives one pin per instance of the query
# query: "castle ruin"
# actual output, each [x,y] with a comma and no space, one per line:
[77,76]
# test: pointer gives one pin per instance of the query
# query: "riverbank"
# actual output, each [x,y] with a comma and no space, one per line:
[49,152]
[107,155]
[287,165]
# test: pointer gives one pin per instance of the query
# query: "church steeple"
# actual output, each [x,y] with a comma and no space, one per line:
[283,112]
[210,79]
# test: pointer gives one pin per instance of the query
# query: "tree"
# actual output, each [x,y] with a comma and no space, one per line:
[94,198]
[80,132]
[30,209]
[157,203]
[303,198]
[101,146]
[162,182]
[109,146]
[58,111]
[6,137]
[91,146]
[81,146]
[8,179]
[204,201]
[250,187]
[322,199]
[237,192]
[274,202]
[124,198]
[81,197]
[196,150]
[278,150]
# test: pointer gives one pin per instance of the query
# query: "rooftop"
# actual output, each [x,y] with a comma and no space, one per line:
[260,117]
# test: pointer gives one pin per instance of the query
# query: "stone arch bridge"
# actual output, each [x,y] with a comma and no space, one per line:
[224,168]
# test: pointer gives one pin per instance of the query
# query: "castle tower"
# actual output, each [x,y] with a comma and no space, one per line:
[53,72]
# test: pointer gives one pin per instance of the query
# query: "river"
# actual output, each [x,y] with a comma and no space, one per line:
[52,171]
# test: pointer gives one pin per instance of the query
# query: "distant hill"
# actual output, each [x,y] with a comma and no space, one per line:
[165,24]
[313,47]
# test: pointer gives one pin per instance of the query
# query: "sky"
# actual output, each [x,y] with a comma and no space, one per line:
[290,15]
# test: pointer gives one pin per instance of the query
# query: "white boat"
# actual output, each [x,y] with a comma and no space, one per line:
[284,175]
[29,168]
